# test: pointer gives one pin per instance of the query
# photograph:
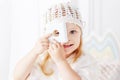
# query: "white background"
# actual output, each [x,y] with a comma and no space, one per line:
[20,26]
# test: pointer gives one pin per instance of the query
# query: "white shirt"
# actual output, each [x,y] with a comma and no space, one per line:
[85,66]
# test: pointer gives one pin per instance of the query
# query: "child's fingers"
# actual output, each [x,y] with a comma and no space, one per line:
[51,46]
[47,35]
[54,46]
[56,43]
[45,44]
[44,37]
[45,48]
[44,41]
[61,46]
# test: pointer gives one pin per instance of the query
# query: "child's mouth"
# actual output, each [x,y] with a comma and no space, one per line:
[67,46]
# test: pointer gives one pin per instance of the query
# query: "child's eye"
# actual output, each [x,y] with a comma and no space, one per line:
[73,31]
[55,33]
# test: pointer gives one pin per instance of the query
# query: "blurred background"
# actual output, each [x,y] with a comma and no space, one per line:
[20,27]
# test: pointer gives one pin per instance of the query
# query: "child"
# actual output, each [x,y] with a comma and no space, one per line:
[53,60]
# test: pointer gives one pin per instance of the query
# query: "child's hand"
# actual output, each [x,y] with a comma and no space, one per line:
[56,51]
[42,44]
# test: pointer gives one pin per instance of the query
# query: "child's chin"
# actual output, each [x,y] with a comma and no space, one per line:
[68,52]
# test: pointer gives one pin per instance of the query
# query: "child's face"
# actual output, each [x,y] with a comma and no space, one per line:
[73,35]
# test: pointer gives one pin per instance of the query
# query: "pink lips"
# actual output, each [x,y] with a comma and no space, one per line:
[67,46]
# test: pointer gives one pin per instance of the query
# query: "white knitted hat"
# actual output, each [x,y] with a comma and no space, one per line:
[63,12]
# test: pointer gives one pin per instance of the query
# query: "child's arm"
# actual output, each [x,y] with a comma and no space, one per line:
[25,65]
[66,72]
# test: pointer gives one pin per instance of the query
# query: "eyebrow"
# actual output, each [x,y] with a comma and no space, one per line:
[74,28]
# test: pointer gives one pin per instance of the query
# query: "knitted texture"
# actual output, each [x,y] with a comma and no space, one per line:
[63,12]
